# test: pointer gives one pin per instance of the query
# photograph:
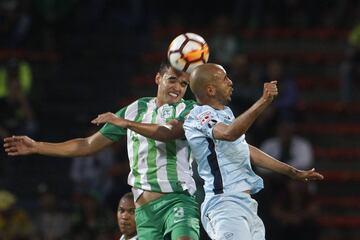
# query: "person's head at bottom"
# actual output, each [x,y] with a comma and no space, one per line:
[126,216]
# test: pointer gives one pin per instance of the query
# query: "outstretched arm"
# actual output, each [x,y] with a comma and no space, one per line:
[261,159]
[23,145]
[169,131]
[241,124]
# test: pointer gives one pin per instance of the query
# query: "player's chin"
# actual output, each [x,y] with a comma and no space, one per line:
[124,228]
[174,100]
[228,100]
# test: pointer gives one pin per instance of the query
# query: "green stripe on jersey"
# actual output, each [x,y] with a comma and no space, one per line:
[171,166]
[151,160]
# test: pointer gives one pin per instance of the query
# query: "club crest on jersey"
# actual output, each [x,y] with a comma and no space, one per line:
[204,117]
[166,112]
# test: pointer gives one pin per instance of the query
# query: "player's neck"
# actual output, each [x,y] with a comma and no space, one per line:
[159,103]
[215,104]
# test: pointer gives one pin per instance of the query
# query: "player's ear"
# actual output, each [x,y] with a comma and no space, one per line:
[211,91]
[157,78]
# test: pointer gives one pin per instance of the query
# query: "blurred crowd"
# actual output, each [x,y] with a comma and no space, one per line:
[87,209]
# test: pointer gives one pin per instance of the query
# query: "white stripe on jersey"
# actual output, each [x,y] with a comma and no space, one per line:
[130,114]
[161,163]
[180,108]
[143,148]
[142,163]
[184,169]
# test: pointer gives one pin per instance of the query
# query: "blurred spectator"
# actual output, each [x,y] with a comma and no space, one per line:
[126,217]
[288,147]
[350,68]
[293,212]
[222,42]
[120,171]
[285,103]
[284,106]
[93,174]
[19,69]
[15,23]
[91,220]
[52,14]
[246,83]
[16,115]
[52,223]
[248,13]
[290,210]
[15,223]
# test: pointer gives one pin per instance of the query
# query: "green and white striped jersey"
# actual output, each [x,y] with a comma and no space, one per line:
[155,166]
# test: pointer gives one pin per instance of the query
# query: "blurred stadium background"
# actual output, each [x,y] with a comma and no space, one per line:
[77,58]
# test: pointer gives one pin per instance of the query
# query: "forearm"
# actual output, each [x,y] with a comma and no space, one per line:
[169,131]
[72,148]
[263,160]
[154,131]
[242,123]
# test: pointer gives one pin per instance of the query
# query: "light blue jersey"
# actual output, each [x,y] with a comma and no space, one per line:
[223,165]
[228,211]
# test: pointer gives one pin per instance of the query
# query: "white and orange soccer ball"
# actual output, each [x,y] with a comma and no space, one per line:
[187,51]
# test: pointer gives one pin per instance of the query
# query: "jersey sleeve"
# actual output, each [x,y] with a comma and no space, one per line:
[204,120]
[114,133]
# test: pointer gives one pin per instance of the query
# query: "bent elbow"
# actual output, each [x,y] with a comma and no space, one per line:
[229,137]
[232,135]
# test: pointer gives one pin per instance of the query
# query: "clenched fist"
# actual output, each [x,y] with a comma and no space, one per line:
[270,90]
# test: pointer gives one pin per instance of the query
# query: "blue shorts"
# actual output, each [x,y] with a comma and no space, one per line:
[232,217]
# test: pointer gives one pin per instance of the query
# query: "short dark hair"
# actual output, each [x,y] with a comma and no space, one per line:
[128,196]
[164,66]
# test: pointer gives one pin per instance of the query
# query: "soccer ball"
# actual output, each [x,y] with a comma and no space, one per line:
[187,51]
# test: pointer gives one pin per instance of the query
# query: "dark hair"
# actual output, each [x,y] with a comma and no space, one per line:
[128,196]
[164,66]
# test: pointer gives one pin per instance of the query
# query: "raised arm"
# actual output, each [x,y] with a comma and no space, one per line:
[169,131]
[23,145]
[263,160]
[242,123]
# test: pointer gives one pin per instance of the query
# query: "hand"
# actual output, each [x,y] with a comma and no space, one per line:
[306,176]
[270,90]
[19,145]
[110,118]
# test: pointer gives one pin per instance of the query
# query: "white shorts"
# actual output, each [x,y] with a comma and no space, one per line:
[232,217]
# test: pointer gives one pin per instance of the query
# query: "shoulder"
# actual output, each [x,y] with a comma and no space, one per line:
[199,109]
[189,104]
[138,104]
[144,99]
[201,114]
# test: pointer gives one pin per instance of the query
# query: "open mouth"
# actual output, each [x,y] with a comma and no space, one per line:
[174,95]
